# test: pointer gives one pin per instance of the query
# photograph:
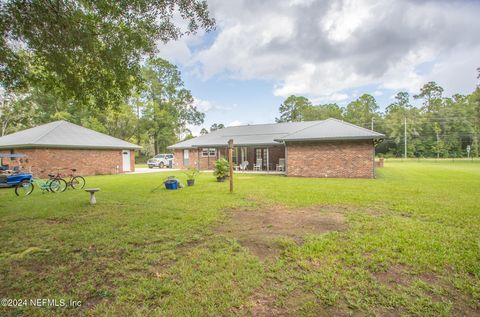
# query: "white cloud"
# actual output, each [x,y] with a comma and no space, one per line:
[322,48]
[202,105]
[335,97]
[176,52]
[343,18]
[208,106]
[235,123]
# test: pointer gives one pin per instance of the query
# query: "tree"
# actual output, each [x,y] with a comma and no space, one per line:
[216,126]
[188,135]
[88,51]
[431,92]
[203,131]
[322,112]
[292,109]
[15,112]
[473,114]
[362,111]
[167,105]
[394,122]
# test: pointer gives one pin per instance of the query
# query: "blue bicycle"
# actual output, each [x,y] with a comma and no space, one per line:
[52,185]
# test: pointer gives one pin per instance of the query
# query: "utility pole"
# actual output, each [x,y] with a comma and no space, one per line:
[372,124]
[405,132]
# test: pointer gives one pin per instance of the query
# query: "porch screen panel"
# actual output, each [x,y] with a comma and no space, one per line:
[258,154]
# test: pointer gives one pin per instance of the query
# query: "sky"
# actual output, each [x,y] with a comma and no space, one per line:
[329,51]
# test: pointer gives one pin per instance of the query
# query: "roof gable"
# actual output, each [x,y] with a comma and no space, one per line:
[65,135]
[332,129]
[273,133]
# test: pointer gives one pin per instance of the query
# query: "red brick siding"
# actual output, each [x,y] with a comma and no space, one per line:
[194,158]
[132,160]
[345,159]
[87,162]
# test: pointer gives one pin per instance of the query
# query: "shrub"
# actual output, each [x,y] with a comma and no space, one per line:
[221,168]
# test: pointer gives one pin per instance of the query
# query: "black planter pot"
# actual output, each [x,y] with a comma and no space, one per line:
[221,179]
[190,182]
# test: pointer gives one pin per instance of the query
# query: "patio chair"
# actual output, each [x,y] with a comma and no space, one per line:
[243,166]
[258,166]
[281,165]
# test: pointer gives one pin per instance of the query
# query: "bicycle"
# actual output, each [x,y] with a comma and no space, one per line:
[75,181]
[52,185]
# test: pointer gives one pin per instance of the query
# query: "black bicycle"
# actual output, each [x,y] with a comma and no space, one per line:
[73,181]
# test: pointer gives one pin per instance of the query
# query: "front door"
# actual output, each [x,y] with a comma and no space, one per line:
[185,157]
[126,160]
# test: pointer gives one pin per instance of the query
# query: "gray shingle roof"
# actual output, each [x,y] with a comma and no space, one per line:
[275,133]
[63,134]
[332,129]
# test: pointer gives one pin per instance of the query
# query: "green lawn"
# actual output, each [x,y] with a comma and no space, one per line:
[410,245]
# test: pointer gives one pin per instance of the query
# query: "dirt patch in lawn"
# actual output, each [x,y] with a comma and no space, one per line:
[261,229]
[259,305]
[395,275]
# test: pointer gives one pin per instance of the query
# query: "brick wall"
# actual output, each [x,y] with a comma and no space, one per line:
[194,158]
[345,159]
[87,162]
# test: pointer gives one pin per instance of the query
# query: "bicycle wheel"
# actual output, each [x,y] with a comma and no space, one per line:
[58,185]
[25,188]
[78,182]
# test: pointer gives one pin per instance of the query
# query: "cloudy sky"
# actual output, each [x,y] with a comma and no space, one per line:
[329,51]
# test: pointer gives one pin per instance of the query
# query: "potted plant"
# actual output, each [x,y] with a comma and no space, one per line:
[172,183]
[191,173]
[221,170]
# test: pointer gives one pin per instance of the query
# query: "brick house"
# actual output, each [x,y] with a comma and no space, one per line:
[64,145]
[327,148]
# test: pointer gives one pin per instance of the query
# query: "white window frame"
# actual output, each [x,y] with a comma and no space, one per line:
[209,152]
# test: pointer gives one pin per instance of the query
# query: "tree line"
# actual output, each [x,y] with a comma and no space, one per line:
[95,63]
[440,127]
[154,116]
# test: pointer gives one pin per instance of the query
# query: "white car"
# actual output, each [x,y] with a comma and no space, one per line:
[161,161]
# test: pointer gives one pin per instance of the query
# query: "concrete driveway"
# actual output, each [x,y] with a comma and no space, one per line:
[144,170]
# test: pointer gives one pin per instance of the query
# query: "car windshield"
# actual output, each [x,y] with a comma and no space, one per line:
[159,156]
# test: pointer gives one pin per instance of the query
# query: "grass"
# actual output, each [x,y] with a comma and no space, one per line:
[411,247]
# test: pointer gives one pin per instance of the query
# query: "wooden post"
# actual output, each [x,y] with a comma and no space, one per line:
[230,160]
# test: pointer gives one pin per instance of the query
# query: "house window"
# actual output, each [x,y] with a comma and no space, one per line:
[209,152]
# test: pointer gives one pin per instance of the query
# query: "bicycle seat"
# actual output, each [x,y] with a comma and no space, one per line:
[51,175]
[73,169]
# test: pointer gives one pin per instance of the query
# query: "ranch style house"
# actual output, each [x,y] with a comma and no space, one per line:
[326,148]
